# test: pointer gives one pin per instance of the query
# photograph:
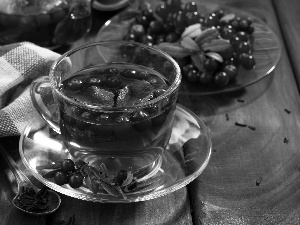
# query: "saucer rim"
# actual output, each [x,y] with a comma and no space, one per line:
[176,185]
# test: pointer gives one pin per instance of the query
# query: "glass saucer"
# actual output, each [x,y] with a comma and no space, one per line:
[184,159]
[267,47]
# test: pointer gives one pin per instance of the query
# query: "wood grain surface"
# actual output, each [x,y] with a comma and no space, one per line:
[288,18]
[253,176]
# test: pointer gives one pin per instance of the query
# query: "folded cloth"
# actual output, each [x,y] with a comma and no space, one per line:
[20,64]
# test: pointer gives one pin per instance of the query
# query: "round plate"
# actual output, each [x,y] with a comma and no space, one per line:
[267,49]
[184,159]
[109,5]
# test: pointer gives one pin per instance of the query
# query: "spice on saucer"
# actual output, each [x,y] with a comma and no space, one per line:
[32,201]
[287,111]
[240,124]
[251,127]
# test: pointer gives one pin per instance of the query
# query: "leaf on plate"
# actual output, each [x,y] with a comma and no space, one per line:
[192,31]
[215,56]
[92,184]
[189,43]
[129,14]
[228,17]
[206,36]
[174,50]
[121,192]
[109,188]
[198,59]
[216,45]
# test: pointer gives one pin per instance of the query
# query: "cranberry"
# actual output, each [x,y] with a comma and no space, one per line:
[243,36]
[141,119]
[219,13]
[221,79]
[211,64]
[227,53]
[76,111]
[148,13]
[168,27]
[75,83]
[173,5]
[235,42]
[172,37]
[160,38]
[112,164]
[122,126]
[227,33]
[148,40]
[190,7]
[192,18]
[76,180]
[206,78]
[186,69]
[113,82]
[162,11]
[231,71]
[112,71]
[180,22]
[244,47]
[138,31]
[60,178]
[121,177]
[235,23]
[131,37]
[193,76]
[103,119]
[244,25]
[155,27]
[95,81]
[67,165]
[87,115]
[211,20]
[142,20]
[247,61]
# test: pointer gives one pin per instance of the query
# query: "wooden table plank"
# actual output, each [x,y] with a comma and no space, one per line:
[253,175]
[288,17]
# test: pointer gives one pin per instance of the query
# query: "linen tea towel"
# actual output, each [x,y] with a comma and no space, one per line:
[20,64]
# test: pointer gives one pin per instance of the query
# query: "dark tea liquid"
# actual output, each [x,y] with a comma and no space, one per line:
[127,134]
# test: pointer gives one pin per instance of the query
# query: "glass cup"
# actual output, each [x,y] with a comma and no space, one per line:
[125,136]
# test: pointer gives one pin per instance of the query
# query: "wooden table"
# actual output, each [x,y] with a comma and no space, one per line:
[253,176]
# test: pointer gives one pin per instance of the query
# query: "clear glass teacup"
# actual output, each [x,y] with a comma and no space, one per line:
[115,102]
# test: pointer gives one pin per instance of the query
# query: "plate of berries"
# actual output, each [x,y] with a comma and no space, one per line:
[218,48]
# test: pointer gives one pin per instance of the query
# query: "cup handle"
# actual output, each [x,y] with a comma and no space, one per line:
[44,102]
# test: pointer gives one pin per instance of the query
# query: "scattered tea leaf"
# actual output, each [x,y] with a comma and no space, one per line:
[216,45]
[206,35]
[109,188]
[215,56]
[174,50]
[198,59]
[192,31]
[190,44]
[228,17]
